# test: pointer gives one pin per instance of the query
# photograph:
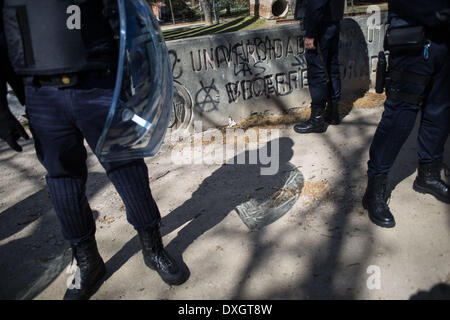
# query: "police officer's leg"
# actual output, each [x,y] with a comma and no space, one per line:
[410,78]
[332,109]
[92,100]
[394,128]
[434,128]
[130,178]
[396,124]
[59,147]
[318,89]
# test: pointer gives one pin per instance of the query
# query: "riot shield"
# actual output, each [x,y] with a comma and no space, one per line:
[142,103]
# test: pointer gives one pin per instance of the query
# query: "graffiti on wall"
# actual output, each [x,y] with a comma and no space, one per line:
[216,74]
[244,69]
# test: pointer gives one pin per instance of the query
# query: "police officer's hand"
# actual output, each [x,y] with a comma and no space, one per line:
[11,130]
[309,44]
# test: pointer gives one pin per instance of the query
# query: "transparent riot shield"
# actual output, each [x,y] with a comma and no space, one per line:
[142,104]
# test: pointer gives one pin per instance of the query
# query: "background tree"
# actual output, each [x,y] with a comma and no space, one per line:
[227,5]
[208,11]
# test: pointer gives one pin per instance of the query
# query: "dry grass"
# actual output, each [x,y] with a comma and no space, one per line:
[273,122]
[370,100]
[315,189]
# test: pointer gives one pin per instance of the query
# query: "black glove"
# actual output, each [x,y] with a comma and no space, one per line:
[11,130]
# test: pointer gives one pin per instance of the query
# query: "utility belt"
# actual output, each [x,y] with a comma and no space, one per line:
[65,80]
[409,40]
[401,41]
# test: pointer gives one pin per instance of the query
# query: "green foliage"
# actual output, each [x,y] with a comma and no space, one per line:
[181,11]
[237,24]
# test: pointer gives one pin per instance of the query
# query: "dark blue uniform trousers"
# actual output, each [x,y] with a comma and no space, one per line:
[328,43]
[399,117]
[60,120]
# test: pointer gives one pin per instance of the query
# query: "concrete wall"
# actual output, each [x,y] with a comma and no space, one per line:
[236,74]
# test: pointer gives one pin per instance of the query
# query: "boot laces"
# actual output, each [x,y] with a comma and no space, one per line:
[152,239]
[386,198]
[82,257]
[382,196]
[446,169]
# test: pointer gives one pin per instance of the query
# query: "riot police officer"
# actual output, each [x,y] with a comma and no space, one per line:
[69,77]
[418,78]
[321,21]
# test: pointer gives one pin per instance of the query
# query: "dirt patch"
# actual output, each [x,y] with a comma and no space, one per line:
[106,220]
[370,100]
[315,189]
[273,122]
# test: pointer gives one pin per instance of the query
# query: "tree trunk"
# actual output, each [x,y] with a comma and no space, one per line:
[228,8]
[171,10]
[208,11]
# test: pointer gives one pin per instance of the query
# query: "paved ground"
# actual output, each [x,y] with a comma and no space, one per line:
[322,247]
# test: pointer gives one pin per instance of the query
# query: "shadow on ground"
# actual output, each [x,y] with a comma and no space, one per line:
[31,263]
[440,291]
[218,195]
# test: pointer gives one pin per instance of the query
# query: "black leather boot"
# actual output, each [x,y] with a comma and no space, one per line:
[315,124]
[91,269]
[332,113]
[375,201]
[429,181]
[156,258]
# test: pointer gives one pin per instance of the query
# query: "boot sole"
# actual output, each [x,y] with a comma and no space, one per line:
[176,281]
[311,131]
[378,222]
[418,188]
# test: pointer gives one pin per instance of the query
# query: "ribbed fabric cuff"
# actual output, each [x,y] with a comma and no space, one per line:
[72,208]
[132,183]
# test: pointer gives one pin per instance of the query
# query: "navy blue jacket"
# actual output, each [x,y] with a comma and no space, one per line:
[423,12]
[315,12]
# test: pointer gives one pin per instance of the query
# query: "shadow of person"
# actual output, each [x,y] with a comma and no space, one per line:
[354,65]
[440,291]
[30,263]
[232,186]
[259,199]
